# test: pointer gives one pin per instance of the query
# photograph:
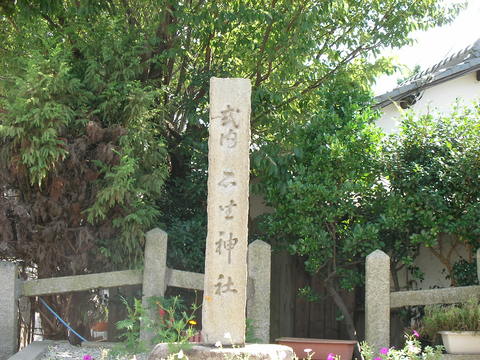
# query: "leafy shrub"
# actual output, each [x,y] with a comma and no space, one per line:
[460,317]
[465,273]
[170,324]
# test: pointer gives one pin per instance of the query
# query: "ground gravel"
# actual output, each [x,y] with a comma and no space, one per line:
[66,351]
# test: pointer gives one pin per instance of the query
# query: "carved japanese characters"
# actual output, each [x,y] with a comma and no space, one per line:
[228,178]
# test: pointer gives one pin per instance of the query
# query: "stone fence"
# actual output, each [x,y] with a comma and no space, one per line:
[379,300]
[154,279]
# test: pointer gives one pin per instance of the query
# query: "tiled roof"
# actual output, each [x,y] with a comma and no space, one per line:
[458,64]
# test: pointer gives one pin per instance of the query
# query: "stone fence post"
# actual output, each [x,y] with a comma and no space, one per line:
[8,309]
[478,264]
[258,294]
[155,267]
[377,300]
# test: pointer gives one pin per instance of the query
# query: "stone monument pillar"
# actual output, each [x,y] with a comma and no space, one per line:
[225,283]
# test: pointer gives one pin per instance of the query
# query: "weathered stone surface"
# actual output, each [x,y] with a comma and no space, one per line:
[258,299]
[249,351]
[65,284]
[449,295]
[377,300]
[154,281]
[8,309]
[33,351]
[185,279]
[228,185]
[478,264]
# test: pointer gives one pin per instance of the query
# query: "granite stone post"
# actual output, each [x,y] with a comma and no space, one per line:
[154,282]
[8,309]
[258,297]
[478,265]
[225,282]
[377,300]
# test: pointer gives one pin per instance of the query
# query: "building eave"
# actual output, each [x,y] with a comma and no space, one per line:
[453,72]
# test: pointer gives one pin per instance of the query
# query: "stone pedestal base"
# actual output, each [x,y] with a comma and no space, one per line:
[250,352]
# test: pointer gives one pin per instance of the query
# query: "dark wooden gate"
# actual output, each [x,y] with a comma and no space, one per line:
[294,316]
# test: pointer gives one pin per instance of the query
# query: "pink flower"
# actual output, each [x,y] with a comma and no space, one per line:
[416,334]
[331,356]
[87,357]
[384,351]
[377,358]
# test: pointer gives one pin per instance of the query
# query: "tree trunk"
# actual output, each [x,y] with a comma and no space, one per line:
[352,332]
[77,308]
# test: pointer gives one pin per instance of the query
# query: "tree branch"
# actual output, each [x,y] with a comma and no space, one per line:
[266,36]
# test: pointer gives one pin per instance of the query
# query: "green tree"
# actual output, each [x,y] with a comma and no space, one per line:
[322,184]
[432,198]
[104,109]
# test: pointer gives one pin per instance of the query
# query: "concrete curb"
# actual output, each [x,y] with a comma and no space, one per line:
[33,351]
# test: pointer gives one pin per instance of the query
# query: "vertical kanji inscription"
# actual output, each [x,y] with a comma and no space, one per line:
[228,178]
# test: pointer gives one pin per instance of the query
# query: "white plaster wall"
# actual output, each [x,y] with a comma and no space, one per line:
[437,98]
[434,270]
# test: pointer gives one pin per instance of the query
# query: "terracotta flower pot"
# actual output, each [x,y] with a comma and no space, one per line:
[320,347]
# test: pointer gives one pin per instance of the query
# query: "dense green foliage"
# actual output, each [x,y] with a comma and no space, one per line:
[339,192]
[130,79]
[464,273]
[104,114]
[321,184]
[433,193]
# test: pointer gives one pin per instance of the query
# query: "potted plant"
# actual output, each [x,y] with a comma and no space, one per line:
[459,326]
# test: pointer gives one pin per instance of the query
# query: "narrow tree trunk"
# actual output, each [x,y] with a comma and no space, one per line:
[394,272]
[352,332]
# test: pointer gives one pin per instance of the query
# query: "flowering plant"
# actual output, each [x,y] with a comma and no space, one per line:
[411,351]
[173,325]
